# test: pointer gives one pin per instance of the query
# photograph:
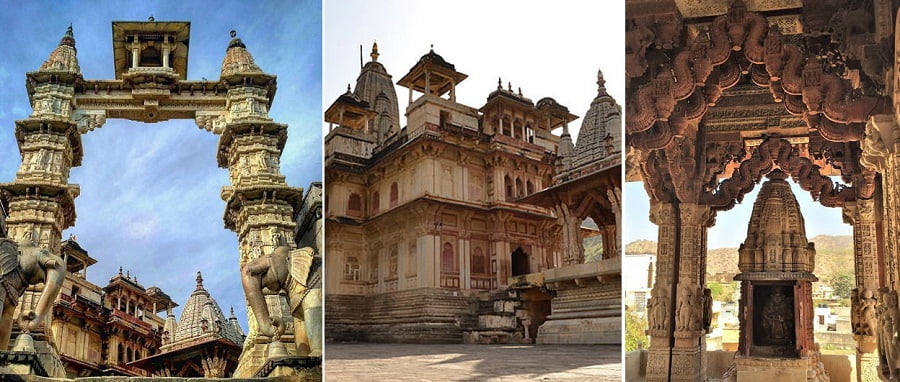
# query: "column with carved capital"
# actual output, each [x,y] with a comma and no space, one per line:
[260,207]
[660,318]
[688,363]
[881,152]
[861,215]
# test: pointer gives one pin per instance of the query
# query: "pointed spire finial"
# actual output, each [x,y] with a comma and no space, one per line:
[232,311]
[120,270]
[199,280]
[348,88]
[520,91]
[432,48]
[499,83]
[374,53]
[601,83]
[233,33]
[509,85]
[151,19]
[68,38]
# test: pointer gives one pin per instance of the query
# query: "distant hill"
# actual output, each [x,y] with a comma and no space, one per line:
[641,247]
[833,254]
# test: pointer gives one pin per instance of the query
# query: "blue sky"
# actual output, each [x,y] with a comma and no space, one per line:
[730,229]
[150,192]
[546,50]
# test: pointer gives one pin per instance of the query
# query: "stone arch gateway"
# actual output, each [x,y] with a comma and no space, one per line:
[150,86]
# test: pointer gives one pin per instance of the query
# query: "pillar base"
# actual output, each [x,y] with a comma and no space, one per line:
[867,366]
[306,369]
[687,365]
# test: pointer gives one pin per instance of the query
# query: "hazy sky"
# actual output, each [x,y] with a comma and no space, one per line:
[730,229]
[548,49]
[150,192]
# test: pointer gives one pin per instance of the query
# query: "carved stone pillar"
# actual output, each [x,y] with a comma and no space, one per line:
[861,215]
[880,152]
[260,207]
[688,361]
[660,319]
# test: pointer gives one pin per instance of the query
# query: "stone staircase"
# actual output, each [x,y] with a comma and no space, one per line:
[423,315]
[496,320]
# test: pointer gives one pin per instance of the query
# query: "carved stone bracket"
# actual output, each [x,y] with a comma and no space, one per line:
[213,122]
[88,120]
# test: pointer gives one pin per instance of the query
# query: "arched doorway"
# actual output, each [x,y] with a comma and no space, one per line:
[520,263]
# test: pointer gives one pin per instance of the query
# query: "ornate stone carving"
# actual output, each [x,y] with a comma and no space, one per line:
[23,265]
[888,346]
[659,308]
[297,273]
[211,121]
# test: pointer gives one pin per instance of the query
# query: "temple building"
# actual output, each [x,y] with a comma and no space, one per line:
[427,225]
[100,330]
[723,93]
[202,343]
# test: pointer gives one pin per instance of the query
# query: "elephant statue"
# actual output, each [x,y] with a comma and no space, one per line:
[298,273]
[21,266]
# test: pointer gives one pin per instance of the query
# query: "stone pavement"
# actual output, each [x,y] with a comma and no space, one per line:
[407,362]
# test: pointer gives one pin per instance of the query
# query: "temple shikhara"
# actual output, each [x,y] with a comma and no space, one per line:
[467,224]
[724,95]
[56,324]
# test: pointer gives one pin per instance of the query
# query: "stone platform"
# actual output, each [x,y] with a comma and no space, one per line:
[441,362]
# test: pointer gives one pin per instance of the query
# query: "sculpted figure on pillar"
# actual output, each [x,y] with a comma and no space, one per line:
[659,309]
[686,307]
[887,339]
[864,319]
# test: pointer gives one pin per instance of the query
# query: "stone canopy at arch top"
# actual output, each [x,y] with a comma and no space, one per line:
[721,94]
[261,207]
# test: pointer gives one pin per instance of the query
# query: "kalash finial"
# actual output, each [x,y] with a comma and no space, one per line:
[233,33]
[199,280]
[499,83]
[374,53]
[601,83]
[151,19]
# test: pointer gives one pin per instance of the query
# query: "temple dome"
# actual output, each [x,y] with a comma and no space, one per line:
[202,318]
[776,235]
[63,58]
[601,129]
[375,86]
[238,59]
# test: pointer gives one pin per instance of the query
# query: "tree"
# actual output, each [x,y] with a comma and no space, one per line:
[635,338]
[842,282]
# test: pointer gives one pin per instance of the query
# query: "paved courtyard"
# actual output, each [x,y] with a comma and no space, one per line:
[402,362]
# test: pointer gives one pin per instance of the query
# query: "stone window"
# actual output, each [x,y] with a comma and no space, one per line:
[121,354]
[448,259]
[354,205]
[351,269]
[479,261]
[395,194]
[520,190]
[507,182]
[529,187]
[151,58]
[376,202]
[529,134]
